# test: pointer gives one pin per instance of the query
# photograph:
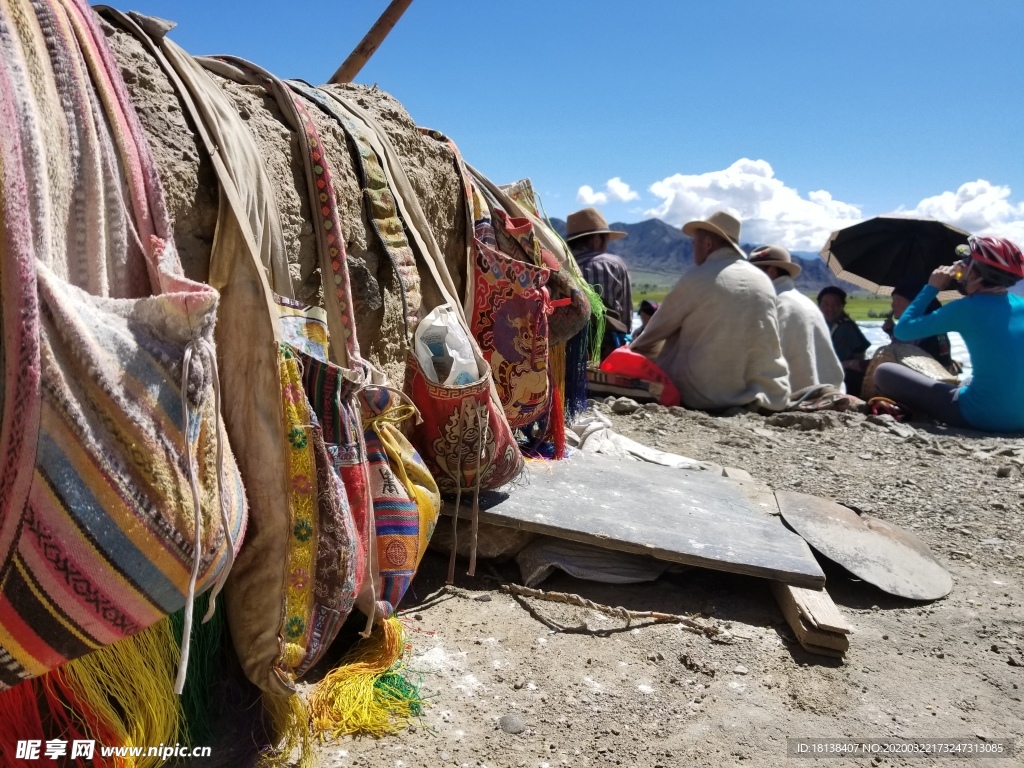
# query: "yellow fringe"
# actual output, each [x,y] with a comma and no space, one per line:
[348,699]
[289,724]
[131,685]
[556,360]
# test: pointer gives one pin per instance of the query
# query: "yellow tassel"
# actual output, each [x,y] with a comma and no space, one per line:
[130,684]
[367,694]
[289,725]
[556,361]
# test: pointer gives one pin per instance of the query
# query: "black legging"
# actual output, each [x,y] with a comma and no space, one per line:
[920,394]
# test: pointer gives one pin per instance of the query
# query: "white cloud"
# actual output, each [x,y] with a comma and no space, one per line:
[619,190]
[980,207]
[615,189]
[588,196]
[770,211]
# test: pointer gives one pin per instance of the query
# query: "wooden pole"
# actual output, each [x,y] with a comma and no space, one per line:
[355,61]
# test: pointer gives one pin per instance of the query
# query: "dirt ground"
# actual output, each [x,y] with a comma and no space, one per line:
[506,690]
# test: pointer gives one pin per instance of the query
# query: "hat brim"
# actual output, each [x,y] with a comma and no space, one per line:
[692,226]
[788,266]
[613,234]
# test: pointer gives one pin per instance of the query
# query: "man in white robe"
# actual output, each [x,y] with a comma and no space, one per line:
[806,342]
[716,334]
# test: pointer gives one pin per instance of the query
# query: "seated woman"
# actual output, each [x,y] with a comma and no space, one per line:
[938,345]
[991,322]
[847,339]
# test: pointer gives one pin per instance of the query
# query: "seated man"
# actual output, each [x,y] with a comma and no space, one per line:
[806,343]
[719,326]
[848,340]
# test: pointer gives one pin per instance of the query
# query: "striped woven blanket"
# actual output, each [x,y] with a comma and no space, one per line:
[117,486]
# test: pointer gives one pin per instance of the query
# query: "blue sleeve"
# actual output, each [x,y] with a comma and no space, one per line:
[915,324]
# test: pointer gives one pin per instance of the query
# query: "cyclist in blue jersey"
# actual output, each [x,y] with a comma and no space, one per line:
[991,322]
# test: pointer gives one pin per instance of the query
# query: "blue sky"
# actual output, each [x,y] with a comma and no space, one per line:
[800,117]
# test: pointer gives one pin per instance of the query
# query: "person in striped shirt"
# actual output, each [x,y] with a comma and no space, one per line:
[588,235]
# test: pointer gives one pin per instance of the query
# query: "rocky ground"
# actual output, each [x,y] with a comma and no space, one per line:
[506,690]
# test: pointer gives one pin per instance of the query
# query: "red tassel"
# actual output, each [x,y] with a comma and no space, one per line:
[44,708]
[21,718]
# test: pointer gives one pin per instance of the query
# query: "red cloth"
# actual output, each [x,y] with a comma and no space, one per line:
[625,362]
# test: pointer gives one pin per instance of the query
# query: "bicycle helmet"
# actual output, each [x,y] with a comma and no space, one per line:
[998,259]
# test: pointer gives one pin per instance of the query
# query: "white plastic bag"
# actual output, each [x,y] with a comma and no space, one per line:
[444,350]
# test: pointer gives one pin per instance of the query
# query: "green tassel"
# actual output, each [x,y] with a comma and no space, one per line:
[206,670]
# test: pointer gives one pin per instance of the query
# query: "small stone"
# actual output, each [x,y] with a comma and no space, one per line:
[511,724]
[519,684]
[484,598]
[625,405]
[1013,661]
[678,410]
[1004,470]
[740,670]
[865,456]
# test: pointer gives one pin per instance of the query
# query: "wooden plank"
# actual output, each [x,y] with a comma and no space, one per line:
[812,639]
[822,651]
[880,553]
[681,516]
[818,609]
[761,497]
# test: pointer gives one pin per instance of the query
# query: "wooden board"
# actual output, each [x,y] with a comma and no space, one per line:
[812,639]
[681,516]
[817,608]
[892,559]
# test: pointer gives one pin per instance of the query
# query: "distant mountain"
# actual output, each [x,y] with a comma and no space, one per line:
[653,246]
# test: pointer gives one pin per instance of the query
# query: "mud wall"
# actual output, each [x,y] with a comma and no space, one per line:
[190,187]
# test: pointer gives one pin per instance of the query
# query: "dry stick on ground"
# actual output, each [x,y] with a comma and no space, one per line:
[654,617]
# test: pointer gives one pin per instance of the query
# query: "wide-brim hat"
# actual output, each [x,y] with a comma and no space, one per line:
[774,256]
[589,221]
[722,224]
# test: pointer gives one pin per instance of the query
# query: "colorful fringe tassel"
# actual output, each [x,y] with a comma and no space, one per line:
[122,695]
[575,393]
[367,693]
[288,721]
[129,686]
[44,708]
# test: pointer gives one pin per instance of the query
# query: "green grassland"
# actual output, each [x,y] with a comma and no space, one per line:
[654,286]
[867,307]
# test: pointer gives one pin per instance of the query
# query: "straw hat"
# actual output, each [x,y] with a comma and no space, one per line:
[774,256]
[589,221]
[722,224]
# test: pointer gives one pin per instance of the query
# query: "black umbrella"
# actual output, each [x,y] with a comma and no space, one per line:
[879,253]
